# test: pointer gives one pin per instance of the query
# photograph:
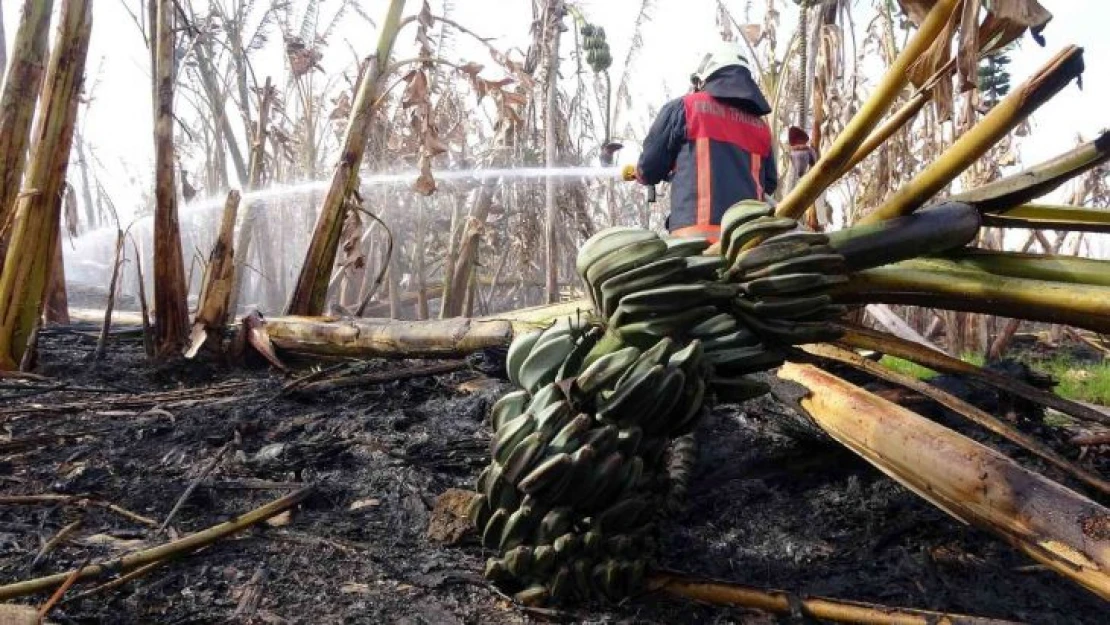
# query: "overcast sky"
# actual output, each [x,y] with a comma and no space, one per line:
[119,123]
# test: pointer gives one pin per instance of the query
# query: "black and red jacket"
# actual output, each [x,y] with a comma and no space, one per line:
[715,149]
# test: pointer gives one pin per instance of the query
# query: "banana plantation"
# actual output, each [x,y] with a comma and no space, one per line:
[322,311]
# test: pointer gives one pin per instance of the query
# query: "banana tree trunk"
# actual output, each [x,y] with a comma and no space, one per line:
[17,106]
[171,309]
[212,306]
[1058,527]
[312,284]
[37,213]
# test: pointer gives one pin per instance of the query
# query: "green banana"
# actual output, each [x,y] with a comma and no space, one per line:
[501,494]
[561,584]
[679,247]
[582,347]
[518,560]
[740,338]
[518,351]
[567,547]
[620,261]
[581,482]
[804,236]
[518,528]
[510,435]
[605,370]
[549,476]
[533,595]
[741,357]
[654,355]
[668,395]
[714,326]
[689,358]
[647,333]
[510,406]
[593,543]
[549,394]
[523,456]
[784,307]
[630,401]
[769,254]
[544,362]
[673,298]
[491,535]
[690,409]
[571,436]
[704,267]
[606,241]
[553,417]
[810,263]
[543,561]
[479,512]
[663,271]
[624,515]
[792,283]
[741,213]
[605,482]
[748,232]
[603,439]
[496,571]
[554,524]
[793,333]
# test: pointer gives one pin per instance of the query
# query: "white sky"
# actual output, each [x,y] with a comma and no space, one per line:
[119,119]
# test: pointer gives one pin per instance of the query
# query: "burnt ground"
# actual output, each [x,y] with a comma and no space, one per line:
[765,508]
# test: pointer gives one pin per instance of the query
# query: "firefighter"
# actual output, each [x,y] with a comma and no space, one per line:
[712,145]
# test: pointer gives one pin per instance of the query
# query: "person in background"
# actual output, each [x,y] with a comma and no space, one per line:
[712,145]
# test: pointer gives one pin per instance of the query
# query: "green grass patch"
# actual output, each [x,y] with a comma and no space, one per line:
[906,367]
[1080,381]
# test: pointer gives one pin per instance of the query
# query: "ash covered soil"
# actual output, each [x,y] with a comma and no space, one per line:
[764,508]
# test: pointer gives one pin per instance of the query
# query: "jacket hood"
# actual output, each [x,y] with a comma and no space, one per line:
[735,83]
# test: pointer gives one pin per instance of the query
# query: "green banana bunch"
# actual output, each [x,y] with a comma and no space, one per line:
[784,274]
[579,462]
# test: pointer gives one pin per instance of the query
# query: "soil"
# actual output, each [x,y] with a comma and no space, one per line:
[764,508]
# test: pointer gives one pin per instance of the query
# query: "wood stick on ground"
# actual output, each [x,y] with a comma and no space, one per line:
[71,500]
[102,341]
[964,409]
[53,600]
[193,486]
[161,552]
[1054,525]
[782,602]
[1087,440]
[144,310]
[52,543]
[117,582]
[866,338]
[381,377]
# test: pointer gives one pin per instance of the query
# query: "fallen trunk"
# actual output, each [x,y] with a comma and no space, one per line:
[389,338]
[368,338]
[1056,526]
